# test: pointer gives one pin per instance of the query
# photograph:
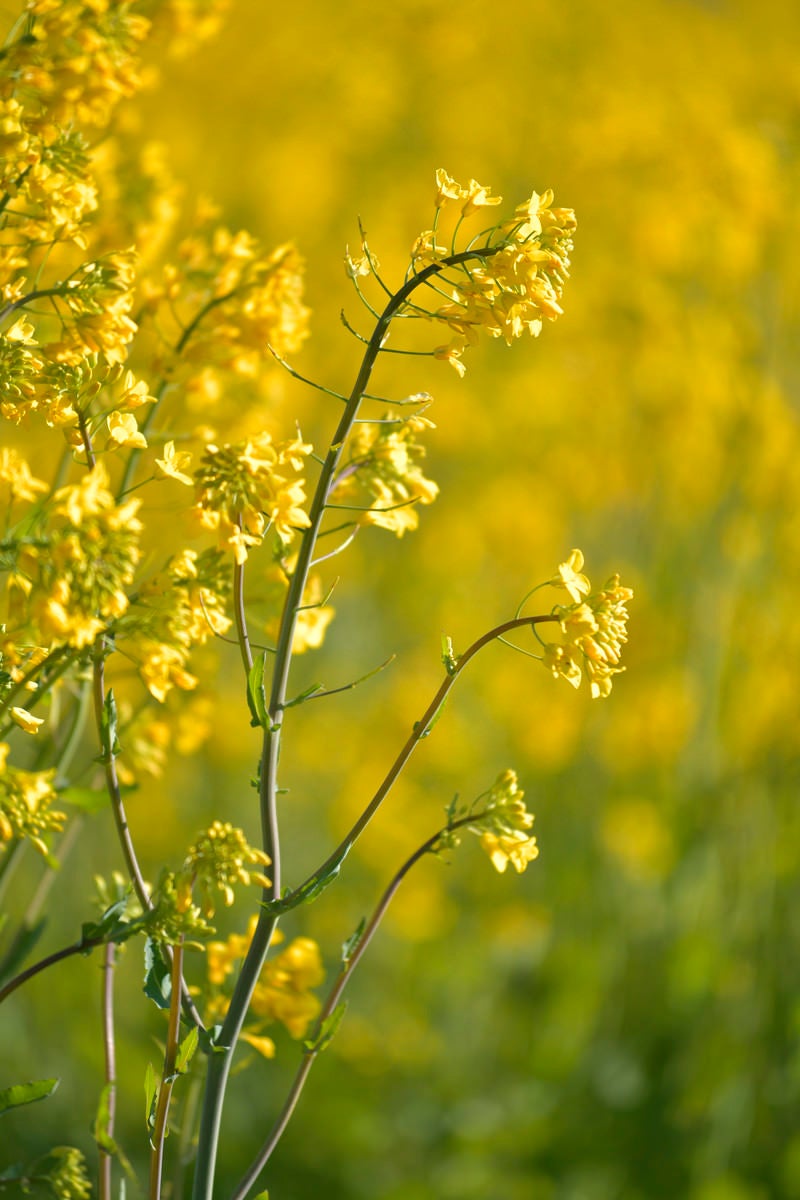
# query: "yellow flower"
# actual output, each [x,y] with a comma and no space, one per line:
[26,720]
[568,577]
[452,354]
[516,849]
[264,1045]
[15,472]
[123,431]
[476,196]
[173,463]
[446,189]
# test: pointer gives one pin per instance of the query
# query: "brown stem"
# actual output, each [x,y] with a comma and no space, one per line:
[109,1049]
[167,1074]
[80,947]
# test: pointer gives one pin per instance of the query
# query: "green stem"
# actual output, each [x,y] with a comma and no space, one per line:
[420,730]
[220,1062]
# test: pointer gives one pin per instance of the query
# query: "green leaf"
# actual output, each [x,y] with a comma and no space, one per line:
[150,1097]
[186,1050]
[108,729]
[310,890]
[448,655]
[89,800]
[350,946]
[262,1196]
[102,1121]
[327,1030]
[256,692]
[26,1093]
[157,975]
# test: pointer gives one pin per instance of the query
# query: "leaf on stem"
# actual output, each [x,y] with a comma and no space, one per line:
[26,1093]
[108,729]
[186,1051]
[327,1031]
[256,692]
[350,946]
[150,1097]
[157,975]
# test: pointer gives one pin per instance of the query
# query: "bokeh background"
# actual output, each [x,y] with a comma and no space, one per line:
[622,1022]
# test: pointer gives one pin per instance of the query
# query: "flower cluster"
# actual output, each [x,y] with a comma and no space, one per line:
[26,798]
[242,490]
[241,299]
[509,281]
[176,610]
[384,465]
[284,991]
[218,861]
[594,628]
[501,821]
[71,581]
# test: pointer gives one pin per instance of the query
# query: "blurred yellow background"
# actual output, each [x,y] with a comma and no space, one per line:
[622,1022]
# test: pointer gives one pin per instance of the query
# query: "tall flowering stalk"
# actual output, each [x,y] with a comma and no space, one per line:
[113,349]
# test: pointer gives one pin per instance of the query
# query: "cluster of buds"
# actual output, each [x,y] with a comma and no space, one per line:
[220,860]
[501,821]
[26,799]
[243,488]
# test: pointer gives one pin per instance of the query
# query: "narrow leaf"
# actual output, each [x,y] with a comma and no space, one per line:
[26,1093]
[157,976]
[350,946]
[186,1050]
[150,1094]
[327,1030]
[256,692]
[108,729]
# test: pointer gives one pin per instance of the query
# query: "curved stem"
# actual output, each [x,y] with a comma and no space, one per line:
[80,947]
[420,730]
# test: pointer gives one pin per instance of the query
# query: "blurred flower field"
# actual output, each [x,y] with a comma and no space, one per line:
[622,1022]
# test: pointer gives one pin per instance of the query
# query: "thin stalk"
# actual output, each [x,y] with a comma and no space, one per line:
[167,1075]
[243,637]
[113,786]
[79,947]
[419,731]
[314,1043]
[220,1062]
[110,1056]
[121,819]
